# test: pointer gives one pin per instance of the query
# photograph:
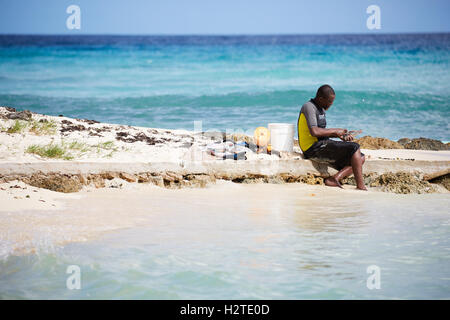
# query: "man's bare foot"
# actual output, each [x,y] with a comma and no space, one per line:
[333,182]
[363,187]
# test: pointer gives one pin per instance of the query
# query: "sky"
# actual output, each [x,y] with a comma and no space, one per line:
[164,17]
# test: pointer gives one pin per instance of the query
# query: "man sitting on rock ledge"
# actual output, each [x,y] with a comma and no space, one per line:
[314,139]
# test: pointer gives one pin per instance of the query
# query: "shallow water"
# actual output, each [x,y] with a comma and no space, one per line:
[245,242]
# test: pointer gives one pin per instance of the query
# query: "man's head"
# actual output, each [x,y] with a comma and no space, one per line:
[325,96]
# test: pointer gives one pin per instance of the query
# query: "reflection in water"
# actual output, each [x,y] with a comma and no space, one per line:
[328,215]
[325,220]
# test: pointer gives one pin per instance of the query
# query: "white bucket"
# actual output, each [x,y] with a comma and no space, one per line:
[282,136]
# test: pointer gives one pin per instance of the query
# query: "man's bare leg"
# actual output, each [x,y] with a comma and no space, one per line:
[357,162]
[334,181]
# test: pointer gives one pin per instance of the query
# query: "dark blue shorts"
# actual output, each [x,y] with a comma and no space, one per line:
[337,154]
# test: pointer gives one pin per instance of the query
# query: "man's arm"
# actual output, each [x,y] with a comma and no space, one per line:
[324,132]
[317,131]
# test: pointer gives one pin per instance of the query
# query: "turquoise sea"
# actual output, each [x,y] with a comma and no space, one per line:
[388,85]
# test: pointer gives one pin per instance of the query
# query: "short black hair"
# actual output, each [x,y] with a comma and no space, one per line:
[325,91]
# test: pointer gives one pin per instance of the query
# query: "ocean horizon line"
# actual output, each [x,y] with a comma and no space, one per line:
[228,34]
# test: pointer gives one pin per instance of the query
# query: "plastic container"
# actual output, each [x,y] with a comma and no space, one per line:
[282,136]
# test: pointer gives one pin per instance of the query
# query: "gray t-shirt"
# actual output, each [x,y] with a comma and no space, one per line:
[315,116]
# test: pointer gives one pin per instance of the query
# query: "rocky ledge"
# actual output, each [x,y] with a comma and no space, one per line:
[400,182]
[376,143]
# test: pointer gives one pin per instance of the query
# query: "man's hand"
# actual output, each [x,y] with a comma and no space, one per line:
[344,135]
[341,133]
[347,137]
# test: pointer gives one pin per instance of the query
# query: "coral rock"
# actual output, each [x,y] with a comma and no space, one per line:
[425,144]
[56,182]
[127,177]
[374,143]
